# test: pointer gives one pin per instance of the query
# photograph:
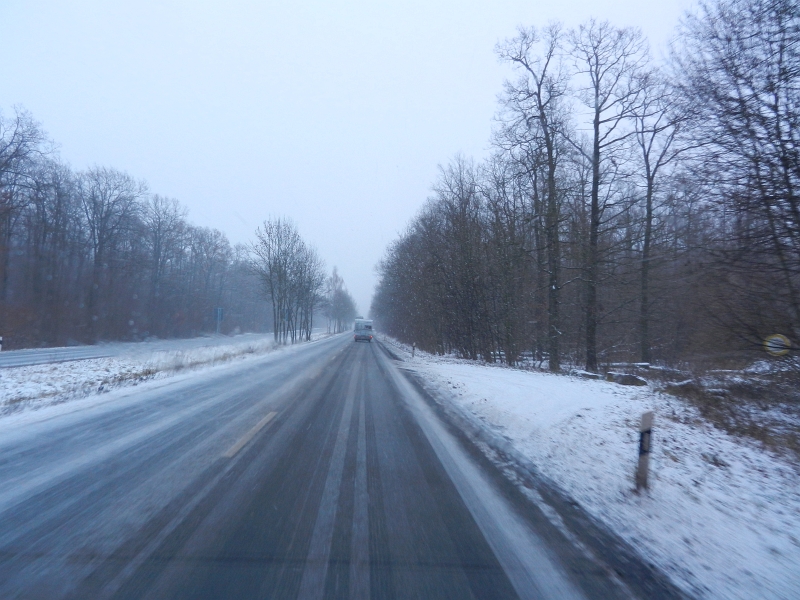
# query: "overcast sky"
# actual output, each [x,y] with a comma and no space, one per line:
[335,114]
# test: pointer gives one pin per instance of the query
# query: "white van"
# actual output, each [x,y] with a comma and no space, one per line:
[362,330]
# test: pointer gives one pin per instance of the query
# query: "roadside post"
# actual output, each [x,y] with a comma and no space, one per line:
[218,317]
[1,342]
[413,349]
[645,434]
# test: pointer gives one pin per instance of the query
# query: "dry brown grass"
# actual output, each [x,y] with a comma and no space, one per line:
[763,407]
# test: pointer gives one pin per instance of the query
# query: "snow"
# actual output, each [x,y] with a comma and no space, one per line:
[40,385]
[721,516]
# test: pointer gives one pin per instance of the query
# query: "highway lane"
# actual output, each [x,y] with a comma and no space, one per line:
[317,472]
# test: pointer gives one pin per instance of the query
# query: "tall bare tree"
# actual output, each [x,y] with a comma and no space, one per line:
[164,222]
[21,141]
[339,305]
[658,119]
[608,62]
[536,111]
[292,275]
[738,72]
[111,202]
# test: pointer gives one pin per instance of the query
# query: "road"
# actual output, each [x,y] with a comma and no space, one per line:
[317,472]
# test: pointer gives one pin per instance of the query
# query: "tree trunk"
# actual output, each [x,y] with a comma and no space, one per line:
[644,316]
[553,262]
[592,254]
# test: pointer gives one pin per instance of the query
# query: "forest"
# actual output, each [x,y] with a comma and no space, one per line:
[630,210]
[93,255]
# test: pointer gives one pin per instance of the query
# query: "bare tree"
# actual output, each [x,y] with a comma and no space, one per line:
[55,243]
[339,306]
[608,61]
[343,309]
[164,222]
[276,243]
[21,141]
[535,104]
[292,275]
[738,72]
[658,121]
[110,201]
[311,287]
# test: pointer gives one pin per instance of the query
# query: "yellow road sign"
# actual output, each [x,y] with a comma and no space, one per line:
[777,345]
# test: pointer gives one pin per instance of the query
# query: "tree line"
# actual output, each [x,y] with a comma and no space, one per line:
[293,277]
[628,212]
[94,255]
[339,306]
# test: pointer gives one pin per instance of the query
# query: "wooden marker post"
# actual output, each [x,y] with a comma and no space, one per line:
[645,433]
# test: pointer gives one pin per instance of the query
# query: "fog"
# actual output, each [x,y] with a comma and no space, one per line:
[333,114]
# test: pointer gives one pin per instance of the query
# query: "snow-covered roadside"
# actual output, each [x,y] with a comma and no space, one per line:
[41,385]
[721,517]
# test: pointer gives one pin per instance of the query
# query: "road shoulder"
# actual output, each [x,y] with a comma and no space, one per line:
[603,564]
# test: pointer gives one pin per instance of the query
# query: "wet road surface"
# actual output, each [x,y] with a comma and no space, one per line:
[318,472]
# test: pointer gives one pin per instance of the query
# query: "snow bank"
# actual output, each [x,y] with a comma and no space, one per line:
[721,517]
[39,385]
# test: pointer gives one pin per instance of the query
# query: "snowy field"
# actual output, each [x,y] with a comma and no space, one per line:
[45,384]
[722,515]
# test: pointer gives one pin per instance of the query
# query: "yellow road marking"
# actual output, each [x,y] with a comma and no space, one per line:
[249,435]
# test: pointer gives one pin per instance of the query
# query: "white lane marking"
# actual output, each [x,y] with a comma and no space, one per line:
[316,569]
[249,435]
[359,550]
[527,561]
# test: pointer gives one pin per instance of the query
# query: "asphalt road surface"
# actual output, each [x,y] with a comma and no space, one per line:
[315,472]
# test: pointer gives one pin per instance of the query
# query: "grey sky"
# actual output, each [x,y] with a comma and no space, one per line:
[334,114]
